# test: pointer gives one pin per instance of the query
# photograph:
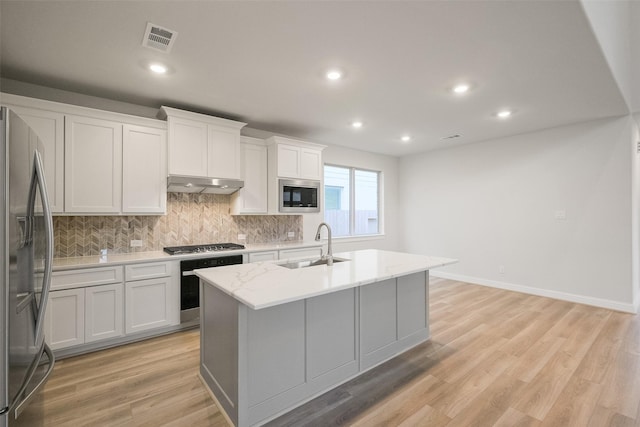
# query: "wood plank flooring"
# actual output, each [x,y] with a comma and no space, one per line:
[496,358]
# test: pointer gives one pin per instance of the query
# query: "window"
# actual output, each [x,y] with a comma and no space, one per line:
[332,197]
[351,198]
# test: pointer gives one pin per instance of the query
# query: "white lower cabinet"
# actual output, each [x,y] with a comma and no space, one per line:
[148,304]
[93,304]
[300,253]
[152,295]
[64,318]
[263,256]
[104,317]
[84,315]
[285,254]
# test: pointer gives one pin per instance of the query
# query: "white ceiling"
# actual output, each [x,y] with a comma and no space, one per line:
[264,63]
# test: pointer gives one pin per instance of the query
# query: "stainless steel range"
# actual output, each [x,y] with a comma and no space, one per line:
[189,283]
[197,249]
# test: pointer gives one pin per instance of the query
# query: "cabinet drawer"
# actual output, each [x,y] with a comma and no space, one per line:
[300,253]
[86,277]
[263,256]
[147,271]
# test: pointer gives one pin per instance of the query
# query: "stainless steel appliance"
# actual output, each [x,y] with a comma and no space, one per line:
[26,254]
[189,282]
[298,196]
[197,249]
[192,184]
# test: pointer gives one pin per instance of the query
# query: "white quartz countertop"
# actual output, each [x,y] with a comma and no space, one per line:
[137,257]
[266,284]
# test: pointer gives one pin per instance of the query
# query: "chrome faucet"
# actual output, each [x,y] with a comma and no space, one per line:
[329,256]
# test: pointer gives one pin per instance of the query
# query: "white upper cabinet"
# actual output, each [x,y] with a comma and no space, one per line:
[252,198]
[93,169]
[144,170]
[224,152]
[311,163]
[188,147]
[201,145]
[49,126]
[288,161]
[98,162]
[295,159]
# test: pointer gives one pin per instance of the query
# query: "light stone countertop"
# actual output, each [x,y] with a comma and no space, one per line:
[138,257]
[266,284]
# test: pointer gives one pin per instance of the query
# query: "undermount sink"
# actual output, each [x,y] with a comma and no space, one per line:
[311,262]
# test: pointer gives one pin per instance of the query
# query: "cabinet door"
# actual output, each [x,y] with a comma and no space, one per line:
[224,152]
[93,165]
[188,147]
[288,161]
[147,304]
[64,318]
[252,198]
[310,164]
[103,312]
[49,127]
[144,170]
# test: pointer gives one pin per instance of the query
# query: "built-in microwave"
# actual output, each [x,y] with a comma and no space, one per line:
[298,196]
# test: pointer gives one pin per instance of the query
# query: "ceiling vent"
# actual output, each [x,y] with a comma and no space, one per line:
[159,38]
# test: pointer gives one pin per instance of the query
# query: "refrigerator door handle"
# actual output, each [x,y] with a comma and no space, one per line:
[38,180]
[19,407]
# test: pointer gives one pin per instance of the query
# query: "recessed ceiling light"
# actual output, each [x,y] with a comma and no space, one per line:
[356,125]
[461,88]
[405,138]
[158,68]
[503,114]
[334,75]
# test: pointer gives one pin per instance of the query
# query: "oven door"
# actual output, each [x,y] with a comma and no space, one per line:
[189,297]
[190,284]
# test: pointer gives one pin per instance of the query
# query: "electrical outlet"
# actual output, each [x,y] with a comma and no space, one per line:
[501,269]
[242,237]
[136,243]
[291,234]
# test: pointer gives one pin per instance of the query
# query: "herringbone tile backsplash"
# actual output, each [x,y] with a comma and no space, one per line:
[191,219]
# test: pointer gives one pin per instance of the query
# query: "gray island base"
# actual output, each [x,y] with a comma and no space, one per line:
[261,363]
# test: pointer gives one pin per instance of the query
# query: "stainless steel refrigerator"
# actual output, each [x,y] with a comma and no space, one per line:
[26,253]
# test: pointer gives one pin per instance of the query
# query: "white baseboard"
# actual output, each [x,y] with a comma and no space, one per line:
[597,302]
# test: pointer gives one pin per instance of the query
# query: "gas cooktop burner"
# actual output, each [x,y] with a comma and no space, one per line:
[195,249]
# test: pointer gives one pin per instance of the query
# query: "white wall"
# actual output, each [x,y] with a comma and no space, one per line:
[635,216]
[493,204]
[74,98]
[634,17]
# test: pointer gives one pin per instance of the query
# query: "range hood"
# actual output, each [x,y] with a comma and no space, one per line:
[192,184]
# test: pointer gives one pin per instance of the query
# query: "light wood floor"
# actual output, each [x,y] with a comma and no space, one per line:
[497,358]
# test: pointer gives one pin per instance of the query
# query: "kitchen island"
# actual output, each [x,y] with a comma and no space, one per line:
[274,337]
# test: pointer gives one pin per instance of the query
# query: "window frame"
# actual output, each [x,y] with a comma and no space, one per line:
[352,200]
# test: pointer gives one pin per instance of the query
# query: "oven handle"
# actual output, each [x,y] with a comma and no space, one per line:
[188,273]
